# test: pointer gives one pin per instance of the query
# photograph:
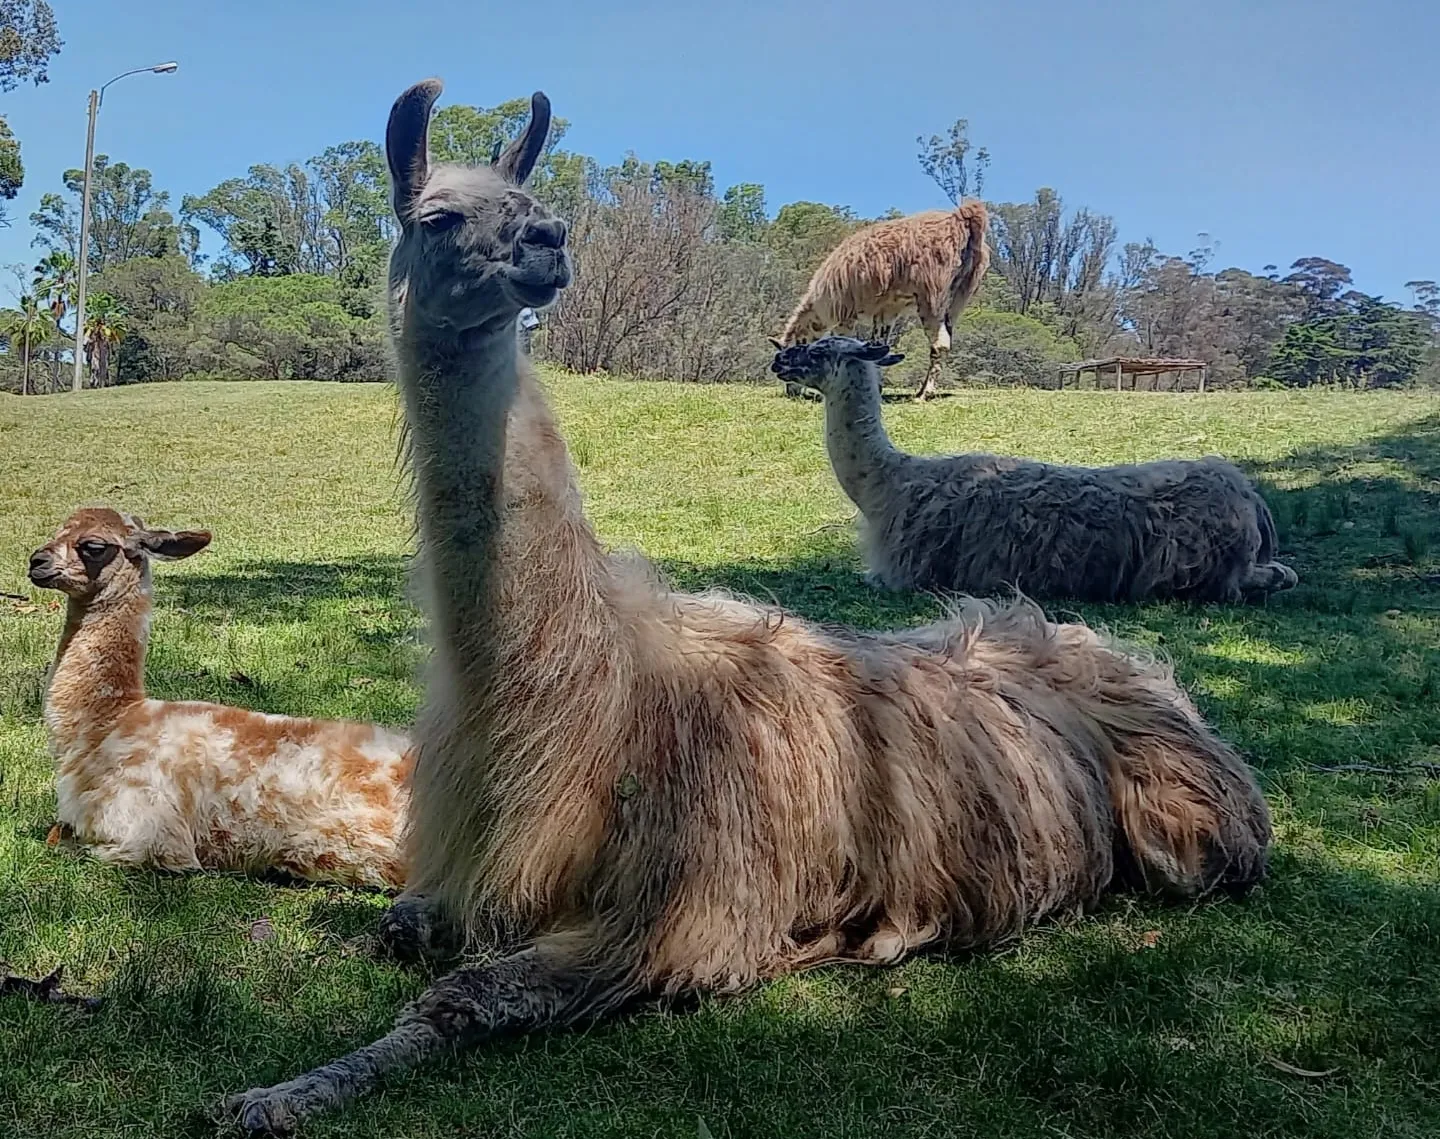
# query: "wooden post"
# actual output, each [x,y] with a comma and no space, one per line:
[1117,375]
[1202,379]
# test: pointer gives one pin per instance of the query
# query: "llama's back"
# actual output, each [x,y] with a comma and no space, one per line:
[879,271]
[203,786]
[799,794]
[987,524]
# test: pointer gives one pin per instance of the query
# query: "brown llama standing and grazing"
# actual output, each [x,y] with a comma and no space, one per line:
[646,792]
[930,263]
[1195,529]
[181,785]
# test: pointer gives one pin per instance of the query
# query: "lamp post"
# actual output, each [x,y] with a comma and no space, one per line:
[83,260]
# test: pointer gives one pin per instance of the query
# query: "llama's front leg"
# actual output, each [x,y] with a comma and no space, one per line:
[1263,580]
[134,830]
[517,994]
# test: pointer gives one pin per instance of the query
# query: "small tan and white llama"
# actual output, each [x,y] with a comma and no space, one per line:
[1190,529]
[929,263]
[191,786]
[652,792]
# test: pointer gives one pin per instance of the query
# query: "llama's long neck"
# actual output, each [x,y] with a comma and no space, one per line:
[531,652]
[458,393]
[861,454]
[99,669]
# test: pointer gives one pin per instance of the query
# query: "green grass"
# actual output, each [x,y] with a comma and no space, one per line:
[1142,1020]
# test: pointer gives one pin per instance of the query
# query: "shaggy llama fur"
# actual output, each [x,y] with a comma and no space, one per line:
[658,792]
[191,786]
[987,524]
[930,263]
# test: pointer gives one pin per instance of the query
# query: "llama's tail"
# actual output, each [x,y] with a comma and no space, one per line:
[974,256]
[1189,814]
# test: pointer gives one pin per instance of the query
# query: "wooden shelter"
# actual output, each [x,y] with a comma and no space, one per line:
[1118,367]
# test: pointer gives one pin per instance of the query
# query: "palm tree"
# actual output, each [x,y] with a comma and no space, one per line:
[29,326]
[105,327]
[55,285]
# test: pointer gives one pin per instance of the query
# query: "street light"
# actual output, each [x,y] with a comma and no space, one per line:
[96,98]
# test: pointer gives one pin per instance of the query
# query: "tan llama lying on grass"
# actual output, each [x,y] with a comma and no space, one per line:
[646,792]
[192,786]
[1191,529]
[929,263]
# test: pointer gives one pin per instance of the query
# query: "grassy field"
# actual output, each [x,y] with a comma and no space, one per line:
[1310,1009]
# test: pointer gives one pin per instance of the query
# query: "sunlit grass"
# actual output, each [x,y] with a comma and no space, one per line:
[1139,1021]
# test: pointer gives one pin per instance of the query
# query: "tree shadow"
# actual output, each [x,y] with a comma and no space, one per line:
[1138,1020]
[333,639]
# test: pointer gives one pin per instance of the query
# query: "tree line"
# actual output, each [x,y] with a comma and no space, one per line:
[674,278]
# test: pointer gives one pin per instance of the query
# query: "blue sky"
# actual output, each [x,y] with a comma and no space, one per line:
[1282,128]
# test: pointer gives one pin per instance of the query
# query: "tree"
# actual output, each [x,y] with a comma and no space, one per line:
[1248,319]
[1320,282]
[28,41]
[947,160]
[12,170]
[162,297]
[1386,344]
[55,283]
[330,216]
[29,326]
[742,215]
[474,135]
[105,328]
[272,222]
[128,217]
[291,327]
[1308,354]
[1047,260]
[804,232]
[1427,298]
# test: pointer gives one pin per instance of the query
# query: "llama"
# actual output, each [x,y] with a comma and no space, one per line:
[191,786]
[983,524]
[650,792]
[930,262]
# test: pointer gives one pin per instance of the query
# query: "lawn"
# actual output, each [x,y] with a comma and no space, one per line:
[1311,1008]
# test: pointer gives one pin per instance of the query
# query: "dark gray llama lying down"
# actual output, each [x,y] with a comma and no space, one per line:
[984,524]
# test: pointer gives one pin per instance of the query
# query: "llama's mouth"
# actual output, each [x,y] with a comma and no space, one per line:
[45,579]
[534,296]
[793,363]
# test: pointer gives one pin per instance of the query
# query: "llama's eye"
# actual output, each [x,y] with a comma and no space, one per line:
[93,549]
[437,221]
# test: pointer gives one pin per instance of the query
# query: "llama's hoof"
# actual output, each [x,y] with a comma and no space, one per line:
[411,932]
[262,1111]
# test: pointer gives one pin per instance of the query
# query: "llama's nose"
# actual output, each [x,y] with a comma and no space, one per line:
[41,564]
[547,232]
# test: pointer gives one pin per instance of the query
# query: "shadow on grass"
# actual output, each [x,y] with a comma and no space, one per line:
[1140,1020]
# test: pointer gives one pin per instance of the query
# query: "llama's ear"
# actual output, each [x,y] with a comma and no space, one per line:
[776,344]
[875,351]
[172,545]
[407,143]
[520,157]
[893,358]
